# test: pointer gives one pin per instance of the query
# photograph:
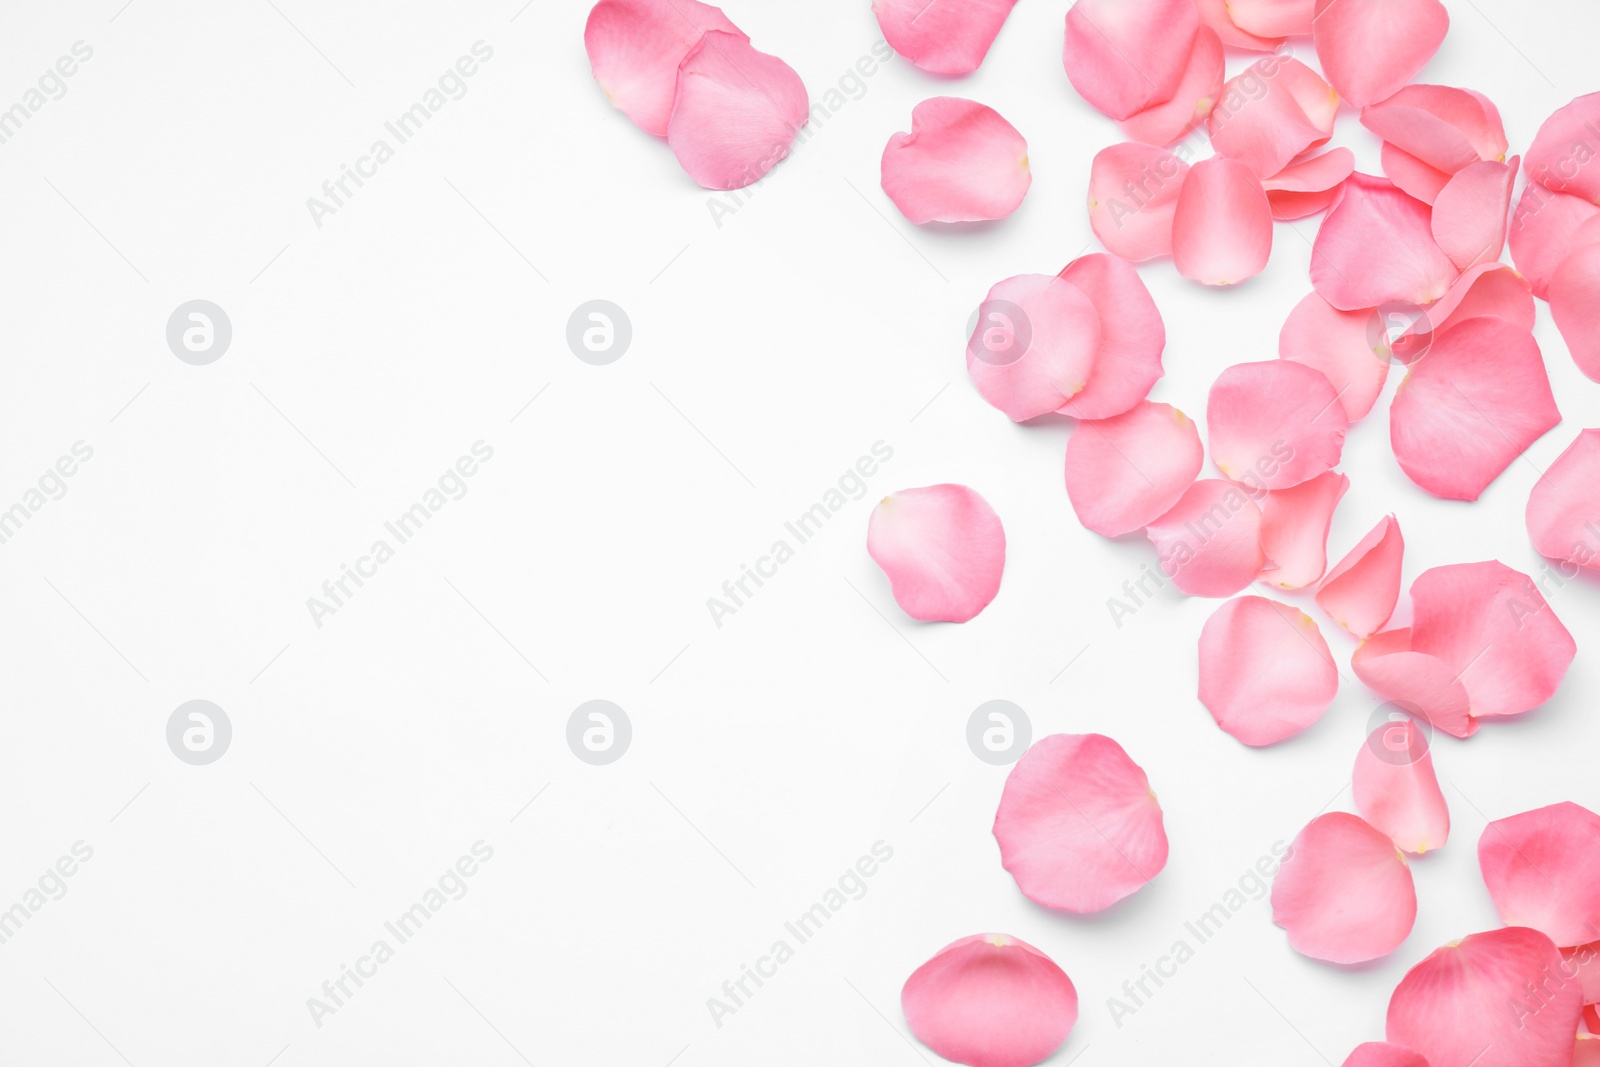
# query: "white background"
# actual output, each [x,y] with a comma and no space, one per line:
[768,354]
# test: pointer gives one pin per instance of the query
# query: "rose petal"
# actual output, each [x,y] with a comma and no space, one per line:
[736,113]
[1265,671]
[1294,529]
[1127,471]
[1396,789]
[1564,507]
[990,1000]
[1412,175]
[1586,1053]
[1574,297]
[1542,868]
[1469,214]
[1260,119]
[1273,18]
[1383,1054]
[1377,246]
[1440,127]
[1133,192]
[635,47]
[1340,345]
[1058,330]
[1274,424]
[1344,893]
[961,162]
[1492,289]
[1585,960]
[1362,589]
[1309,186]
[1127,362]
[1545,229]
[1209,544]
[1191,101]
[942,547]
[1222,225]
[1420,684]
[1078,825]
[1124,57]
[1566,145]
[1371,48]
[1215,14]
[948,37]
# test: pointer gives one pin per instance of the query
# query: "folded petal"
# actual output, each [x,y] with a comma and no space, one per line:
[1545,229]
[1564,507]
[1565,147]
[1034,345]
[1490,625]
[961,162]
[1209,544]
[635,47]
[990,1000]
[1133,192]
[1362,589]
[1344,893]
[1340,344]
[1265,671]
[1273,18]
[1542,868]
[1396,789]
[1215,14]
[1377,246]
[1469,214]
[1191,101]
[1492,289]
[943,549]
[948,37]
[1416,683]
[1274,424]
[736,112]
[1371,48]
[1260,119]
[1574,297]
[1294,529]
[1127,471]
[1412,175]
[1127,361]
[1383,1054]
[1124,57]
[1309,186]
[1222,225]
[1442,127]
[1078,825]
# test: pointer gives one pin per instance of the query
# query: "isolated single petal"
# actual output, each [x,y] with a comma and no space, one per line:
[1417,683]
[1078,825]
[1564,507]
[736,113]
[1469,214]
[1294,529]
[1034,345]
[1124,57]
[1133,192]
[1362,589]
[1377,246]
[1542,868]
[947,37]
[1490,625]
[1310,185]
[1340,345]
[1222,225]
[1396,789]
[990,1000]
[1260,119]
[1127,471]
[1546,228]
[1383,1054]
[1563,152]
[1265,671]
[1273,18]
[961,162]
[1215,14]
[1191,101]
[1371,48]
[1127,362]
[1209,544]
[636,46]
[1274,424]
[1442,127]
[1575,305]
[1344,893]
[943,549]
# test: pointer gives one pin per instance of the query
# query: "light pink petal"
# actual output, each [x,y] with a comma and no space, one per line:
[1344,893]
[736,113]
[1443,128]
[635,47]
[1469,1002]
[1265,671]
[961,162]
[1377,246]
[1034,345]
[1132,336]
[1564,507]
[1419,684]
[1222,226]
[1190,103]
[1209,544]
[1488,289]
[1586,1053]
[1383,1054]
[1133,192]
[1078,825]
[1396,790]
[1563,152]
[1370,48]
[1470,407]
[990,1000]
[1469,214]
[1260,120]
[1127,471]
[943,549]
[1491,626]
[1585,960]
[1362,589]
[1214,13]
[1411,174]
[1545,229]
[1294,529]
[1124,57]
[1274,424]
[1273,18]
[1309,186]
[1542,868]
[1575,305]
[948,37]
[1340,345]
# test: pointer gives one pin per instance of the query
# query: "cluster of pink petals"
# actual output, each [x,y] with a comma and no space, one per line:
[961,162]
[942,548]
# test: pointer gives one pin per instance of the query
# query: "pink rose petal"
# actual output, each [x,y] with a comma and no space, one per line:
[1127,362]
[1209,544]
[943,549]
[1545,229]
[1273,18]
[1542,868]
[1377,246]
[961,162]
[1396,789]
[1294,529]
[1441,127]
[635,47]
[1585,960]
[1057,330]
[1124,57]
[1383,1054]
[1215,14]
[1127,471]
[1222,224]
[1419,684]
[1361,591]
[1265,672]
[1563,152]
[1469,214]
[1133,192]
[990,1000]
[1564,507]
[736,112]
[1411,175]
[1260,119]
[1309,186]
[1344,892]
[1190,103]
[1574,296]
[1340,345]
[948,37]
[1371,48]
[1274,424]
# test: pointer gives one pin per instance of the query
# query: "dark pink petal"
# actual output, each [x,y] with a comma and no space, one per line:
[947,37]
[943,549]
[1542,868]
[1469,407]
[1127,471]
[1411,174]
[1209,544]
[1443,128]
[1260,119]
[1215,14]
[1124,57]
[1309,186]
[1265,671]
[990,1000]
[1420,684]
[1294,529]
[1377,246]
[1274,424]
[1222,226]
[635,47]
[1564,508]
[1133,192]
[1383,1054]
[961,162]
[1190,103]
[1575,305]
[1545,229]
[1370,48]
[1469,214]
[736,113]
[1563,152]
[1273,18]
[1127,361]
[1340,345]
[1469,1003]
[1490,625]
[1344,892]
[1034,345]
[1078,825]
[1396,789]
[1362,589]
